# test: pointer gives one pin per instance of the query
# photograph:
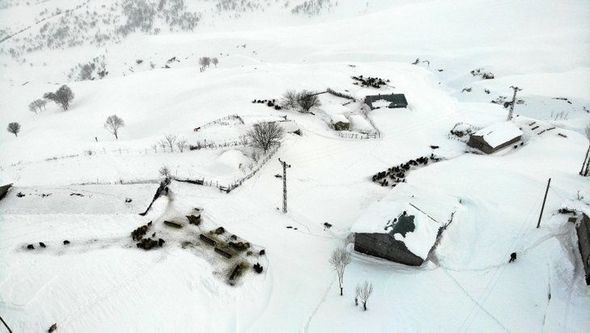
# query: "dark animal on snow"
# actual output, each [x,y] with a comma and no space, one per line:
[262,252]
[66,242]
[512,257]
[42,244]
[327,225]
[30,247]
[258,268]
[52,328]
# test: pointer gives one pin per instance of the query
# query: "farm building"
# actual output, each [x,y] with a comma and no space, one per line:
[391,101]
[4,190]
[583,231]
[495,137]
[396,232]
[340,122]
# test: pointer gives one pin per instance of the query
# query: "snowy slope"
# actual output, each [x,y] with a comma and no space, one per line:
[102,282]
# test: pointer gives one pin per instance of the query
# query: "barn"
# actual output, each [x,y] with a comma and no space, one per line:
[583,231]
[495,137]
[391,101]
[396,232]
[340,122]
[4,190]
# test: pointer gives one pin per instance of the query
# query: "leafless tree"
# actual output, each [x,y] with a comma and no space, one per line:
[364,292]
[215,61]
[339,260]
[113,124]
[182,144]
[204,62]
[586,164]
[37,105]
[265,135]
[290,100]
[63,96]
[170,141]
[164,172]
[13,128]
[307,99]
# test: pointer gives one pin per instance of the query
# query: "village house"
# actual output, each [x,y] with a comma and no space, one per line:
[4,190]
[396,232]
[391,101]
[583,231]
[495,137]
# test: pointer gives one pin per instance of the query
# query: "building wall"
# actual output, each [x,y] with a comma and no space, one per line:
[386,247]
[479,143]
[3,190]
[583,231]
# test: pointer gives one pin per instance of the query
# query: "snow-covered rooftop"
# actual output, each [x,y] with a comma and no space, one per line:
[499,133]
[379,215]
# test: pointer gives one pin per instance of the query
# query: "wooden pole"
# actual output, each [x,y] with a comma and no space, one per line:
[6,325]
[543,206]
[511,112]
[285,166]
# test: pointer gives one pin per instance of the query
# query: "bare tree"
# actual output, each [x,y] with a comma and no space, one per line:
[63,96]
[37,105]
[204,62]
[307,99]
[586,164]
[170,141]
[364,292]
[182,144]
[339,260]
[265,135]
[215,61]
[164,172]
[13,128]
[290,100]
[113,124]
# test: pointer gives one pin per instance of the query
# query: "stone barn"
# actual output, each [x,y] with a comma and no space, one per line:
[4,190]
[391,101]
[395,232]
[495,137]
[340,122]
[583,231]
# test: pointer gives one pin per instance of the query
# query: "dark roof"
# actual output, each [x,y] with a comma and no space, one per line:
[394,99]
[404,224]
[3,190]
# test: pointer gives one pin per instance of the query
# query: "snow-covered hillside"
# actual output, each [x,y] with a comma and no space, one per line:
[74,181]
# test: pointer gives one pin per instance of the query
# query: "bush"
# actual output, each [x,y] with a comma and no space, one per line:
[265,135]
[13,128]
[63,96]
[307,100]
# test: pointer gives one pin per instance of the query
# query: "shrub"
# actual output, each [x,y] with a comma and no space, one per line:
[63,96]
[13,128]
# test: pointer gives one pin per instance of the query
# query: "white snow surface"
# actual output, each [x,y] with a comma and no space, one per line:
[103,283]
[499,133]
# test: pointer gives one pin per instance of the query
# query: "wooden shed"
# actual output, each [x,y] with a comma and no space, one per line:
[391,101]
[495,137]
[583,231]
[340,122]
[395,232]
[4,190]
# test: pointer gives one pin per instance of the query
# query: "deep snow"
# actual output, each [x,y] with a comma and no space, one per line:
[101,283]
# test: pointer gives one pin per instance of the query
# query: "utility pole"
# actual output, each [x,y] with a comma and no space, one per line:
[543,206]
[511,112]
[285,166]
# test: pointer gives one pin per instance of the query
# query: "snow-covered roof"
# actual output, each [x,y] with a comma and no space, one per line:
[338,118]
[360,123]
[499,133]
[377,217]
[289,126]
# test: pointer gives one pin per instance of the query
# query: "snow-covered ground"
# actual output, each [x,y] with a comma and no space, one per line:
[72,179]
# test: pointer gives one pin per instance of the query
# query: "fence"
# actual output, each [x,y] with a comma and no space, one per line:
[224,121]
[230,187]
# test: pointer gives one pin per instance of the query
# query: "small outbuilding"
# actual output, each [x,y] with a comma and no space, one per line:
[340,122]
[391,101]
[396,232]
[4,190]
[583,231]
[495,137]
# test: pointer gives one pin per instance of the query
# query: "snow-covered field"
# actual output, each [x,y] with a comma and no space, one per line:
[74,181]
